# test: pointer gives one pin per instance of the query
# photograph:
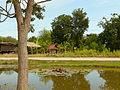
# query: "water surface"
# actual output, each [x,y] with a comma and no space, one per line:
[68,79]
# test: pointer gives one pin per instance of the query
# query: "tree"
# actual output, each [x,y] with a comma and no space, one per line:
[65,25]
[32,39]
[111,34]
[1,39]
[91,42]
[69,44]
[23,9]
[61,26]
[80,25]
[44,39]
[8,39]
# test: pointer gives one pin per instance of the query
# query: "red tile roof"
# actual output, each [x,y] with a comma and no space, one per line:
[52,46]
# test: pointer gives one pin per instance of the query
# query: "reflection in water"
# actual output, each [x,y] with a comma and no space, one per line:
[75,82]
[96,82]
[8,80]
[112,79]
[8,72]
[83,79]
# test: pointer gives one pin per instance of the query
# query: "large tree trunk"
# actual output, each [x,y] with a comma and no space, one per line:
[22,59]
[23,26]
[22,49]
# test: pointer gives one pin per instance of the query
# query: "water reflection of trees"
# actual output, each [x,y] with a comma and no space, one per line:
[0,72]
[75,82]
[8,72]
[45,79]
[112,79]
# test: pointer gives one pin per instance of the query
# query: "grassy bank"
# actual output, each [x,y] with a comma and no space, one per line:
[64,63]
[77,53]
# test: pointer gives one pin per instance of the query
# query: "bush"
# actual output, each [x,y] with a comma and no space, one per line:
[86,52]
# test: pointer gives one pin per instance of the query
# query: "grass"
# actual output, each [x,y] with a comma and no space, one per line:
[8,62]
[64,63]
[77,53]
[76,63]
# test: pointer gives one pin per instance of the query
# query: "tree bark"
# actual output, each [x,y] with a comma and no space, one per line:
[22,59]
[23,26]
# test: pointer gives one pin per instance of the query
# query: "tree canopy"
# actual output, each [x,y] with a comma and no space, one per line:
[73,26]
[44,39]
[80,25]
[61,26]
[111,34]
[8,39]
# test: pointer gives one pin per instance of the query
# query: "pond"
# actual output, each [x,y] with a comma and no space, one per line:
[65,78]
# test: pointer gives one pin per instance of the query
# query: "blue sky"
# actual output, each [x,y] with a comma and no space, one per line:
[96,10]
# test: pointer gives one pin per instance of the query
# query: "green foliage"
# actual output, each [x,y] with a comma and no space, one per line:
[8,39]
[92,41]
[86,52]
[32,39]
[75,26]
[31,29]
[66,54]
[44,39]
[66,45]
[111,34]
[91,38]
[1,10]
[80,20]
[8,1]
[61,26]
[1,39]
[80,25]
[91,53]
[94,46]
[36,13]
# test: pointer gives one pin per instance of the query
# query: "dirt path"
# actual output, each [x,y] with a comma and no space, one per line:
[61,58]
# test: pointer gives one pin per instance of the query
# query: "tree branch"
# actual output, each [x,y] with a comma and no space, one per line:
[7,11]
[8,15]
[18,12]
[29,12]
[42,1]
[3,20]
[10,8]
[25,1]
[3,9]
[23,4]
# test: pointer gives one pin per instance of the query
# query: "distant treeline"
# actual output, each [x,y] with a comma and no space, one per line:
[8,39]
[68,33]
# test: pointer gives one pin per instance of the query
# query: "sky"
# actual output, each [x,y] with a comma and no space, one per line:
[95,9]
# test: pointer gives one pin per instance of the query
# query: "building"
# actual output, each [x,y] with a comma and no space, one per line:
[33,46]
[7,47]
[53,48]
